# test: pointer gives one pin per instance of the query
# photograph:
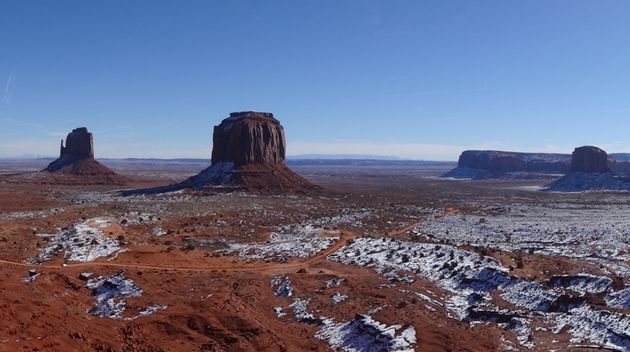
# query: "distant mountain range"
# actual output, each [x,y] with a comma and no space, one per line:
[344,157]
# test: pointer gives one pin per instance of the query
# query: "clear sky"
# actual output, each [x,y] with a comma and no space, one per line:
[417,78]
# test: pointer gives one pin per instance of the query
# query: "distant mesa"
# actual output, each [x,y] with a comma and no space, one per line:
[590,159]
[76,161]
[494,164]
[591,169]
[248,153]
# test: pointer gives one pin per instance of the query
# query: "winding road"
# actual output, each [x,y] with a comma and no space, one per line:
[345,237]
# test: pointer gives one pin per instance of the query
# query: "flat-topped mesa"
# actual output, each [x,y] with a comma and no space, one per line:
[483,164]
[249,137]
[590,159]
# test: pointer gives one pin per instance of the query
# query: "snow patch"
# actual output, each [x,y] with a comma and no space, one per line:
[300,311]
[281,286]
[83,242]
[619,299]
[110,293]
[364,334]
[334,282]
[582,283]
[300,241]
[338,298]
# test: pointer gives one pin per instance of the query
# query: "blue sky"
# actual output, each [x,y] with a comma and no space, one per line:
[417,79]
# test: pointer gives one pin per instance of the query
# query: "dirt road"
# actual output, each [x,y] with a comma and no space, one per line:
[345,237]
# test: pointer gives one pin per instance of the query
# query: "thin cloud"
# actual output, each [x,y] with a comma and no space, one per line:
[9,88]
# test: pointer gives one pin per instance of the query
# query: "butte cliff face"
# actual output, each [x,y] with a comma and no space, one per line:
[590,159]
[79,146]
[76,163]
[481,164]
[248,153]
[249,138]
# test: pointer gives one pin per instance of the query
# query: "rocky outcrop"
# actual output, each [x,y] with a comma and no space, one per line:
[591,169]
[248,153]
[76,163]
[483,164]
[590,159]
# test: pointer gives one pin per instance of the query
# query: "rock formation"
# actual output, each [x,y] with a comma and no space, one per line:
[76,161]
[79,146]
[482,164]
[248,153]
[591,169]
[249,138]
[590,159]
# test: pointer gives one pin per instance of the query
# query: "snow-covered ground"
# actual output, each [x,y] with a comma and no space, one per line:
[598,233]
[300,241]
[362,334]
[584,181]
[82,242]
[480,285]
[30,214]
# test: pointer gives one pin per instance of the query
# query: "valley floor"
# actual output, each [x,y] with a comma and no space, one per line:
[380,260]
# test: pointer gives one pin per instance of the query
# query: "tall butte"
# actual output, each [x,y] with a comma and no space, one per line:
[77,159]
[248,153]
[591,169]
[591,159]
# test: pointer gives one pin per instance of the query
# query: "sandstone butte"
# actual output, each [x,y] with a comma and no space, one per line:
[248,152]
[76,162]
[590,159]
